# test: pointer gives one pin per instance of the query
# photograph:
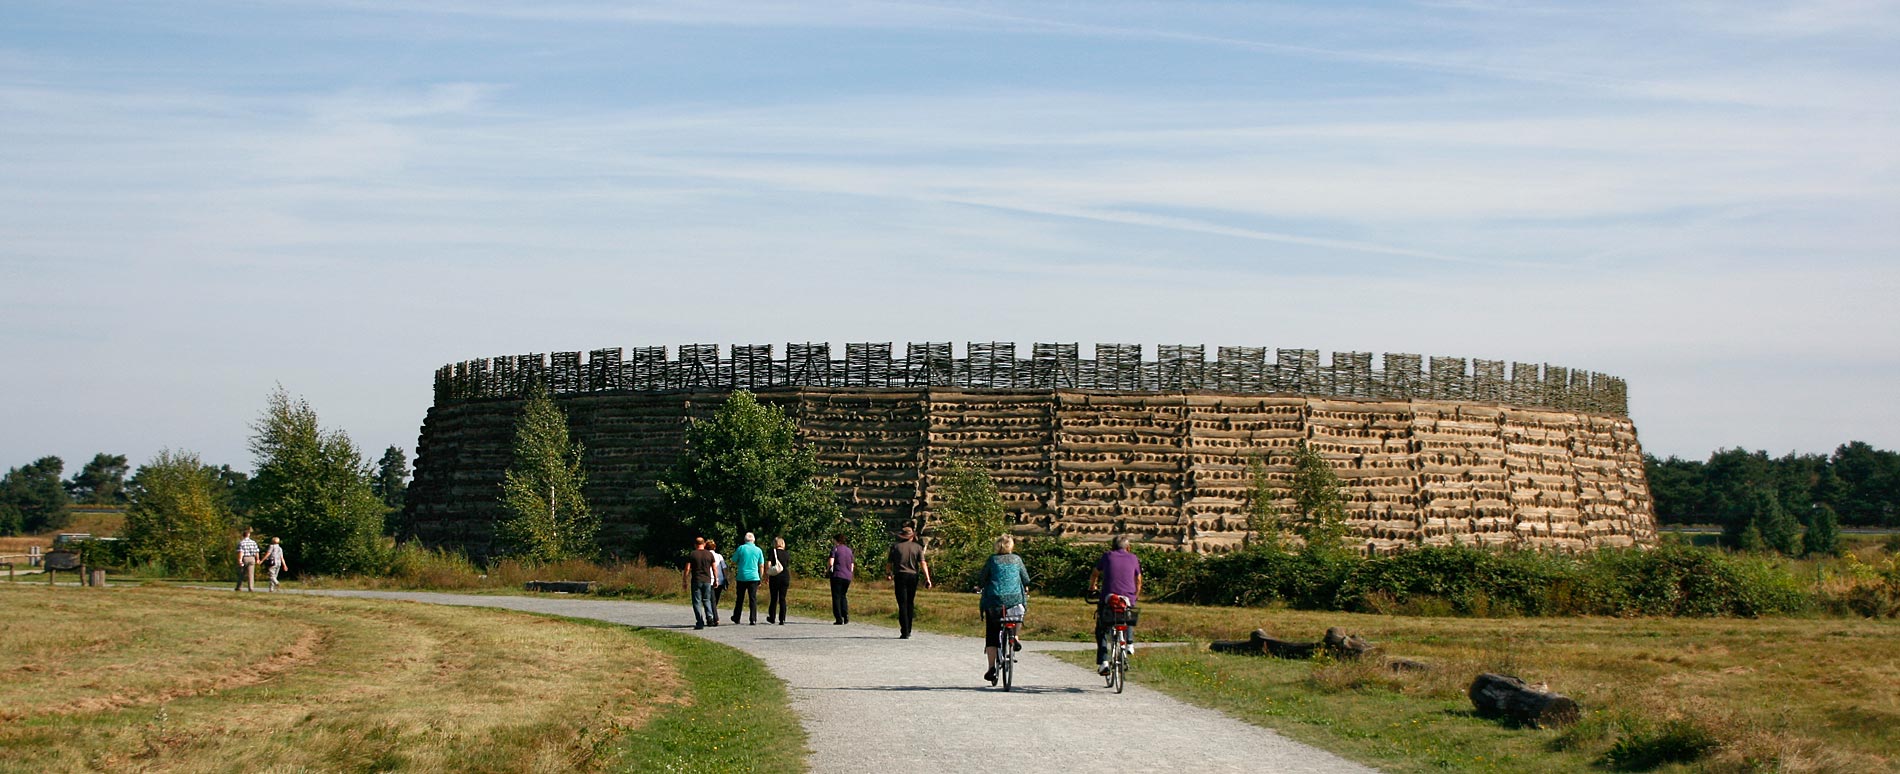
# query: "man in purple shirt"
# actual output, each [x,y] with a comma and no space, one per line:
[840,566]
[1117,573]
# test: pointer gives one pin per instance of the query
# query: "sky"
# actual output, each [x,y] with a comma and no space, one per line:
[201,200]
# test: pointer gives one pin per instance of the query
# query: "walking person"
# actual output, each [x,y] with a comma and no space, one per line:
[1117,573]
[748,568]
[840,566]
[1005,584]
[698,577]
[274,561]
[906,563]
[719,580]
[247,563]
[778,570]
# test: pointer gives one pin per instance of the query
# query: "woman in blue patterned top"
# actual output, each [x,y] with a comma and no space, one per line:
[1005,584]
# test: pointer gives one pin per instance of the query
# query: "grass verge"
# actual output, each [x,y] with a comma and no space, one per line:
[163,679]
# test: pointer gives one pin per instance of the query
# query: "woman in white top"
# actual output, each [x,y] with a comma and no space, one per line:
[274,561]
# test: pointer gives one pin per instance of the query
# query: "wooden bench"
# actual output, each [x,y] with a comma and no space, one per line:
[52,561]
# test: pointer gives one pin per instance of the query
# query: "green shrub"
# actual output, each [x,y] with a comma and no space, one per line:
[1675,741]
[1058,568]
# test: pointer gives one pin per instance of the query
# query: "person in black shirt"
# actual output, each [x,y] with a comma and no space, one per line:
[906,564]
[698,577]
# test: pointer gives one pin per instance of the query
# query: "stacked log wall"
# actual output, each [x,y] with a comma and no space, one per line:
[1169,468]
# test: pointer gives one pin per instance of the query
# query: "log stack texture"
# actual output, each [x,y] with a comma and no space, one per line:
[1465,452]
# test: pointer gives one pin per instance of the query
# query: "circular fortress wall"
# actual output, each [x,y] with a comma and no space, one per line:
[1429,452]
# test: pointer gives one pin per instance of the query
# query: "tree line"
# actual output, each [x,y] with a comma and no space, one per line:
[1765,502]
[310,486]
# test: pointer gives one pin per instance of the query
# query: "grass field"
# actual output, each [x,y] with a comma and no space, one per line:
[1777,694]
[185,680]
[1788,694]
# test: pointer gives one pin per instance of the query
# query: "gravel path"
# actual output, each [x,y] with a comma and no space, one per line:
[872,702]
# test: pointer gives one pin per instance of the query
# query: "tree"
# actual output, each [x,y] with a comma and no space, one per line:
[101,481]
[234,488]
[1319,506]
[178,517]
[972,514]
[392,477]
[1779,528]
[33,498]
[1824,532]
[311,488]
[1263,519]
[548,515]
[744,470]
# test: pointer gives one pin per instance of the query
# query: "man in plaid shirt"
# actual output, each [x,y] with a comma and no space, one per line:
[247,563]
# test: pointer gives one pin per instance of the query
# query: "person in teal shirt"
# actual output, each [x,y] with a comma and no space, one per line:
[748,568]
[1005,584]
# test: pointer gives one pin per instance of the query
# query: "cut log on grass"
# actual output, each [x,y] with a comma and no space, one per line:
[1503,696]
[1347,646]
[1407,665]
[1259,643]
[560,587]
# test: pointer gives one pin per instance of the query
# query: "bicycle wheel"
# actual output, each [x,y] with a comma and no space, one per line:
[1118,664]
[1007,655]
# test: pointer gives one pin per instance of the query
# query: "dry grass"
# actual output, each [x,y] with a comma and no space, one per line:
[153,679]
[1784,694]
[19,544]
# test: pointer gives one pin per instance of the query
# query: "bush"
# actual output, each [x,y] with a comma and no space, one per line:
[1684,581]
[1474,581]
[1447,580]
[1675,741]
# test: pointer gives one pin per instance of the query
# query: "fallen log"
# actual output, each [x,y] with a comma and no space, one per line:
[1337,643]
[1407,665]
[1346,646]
[1259,643]
[1503,696]
[559,587]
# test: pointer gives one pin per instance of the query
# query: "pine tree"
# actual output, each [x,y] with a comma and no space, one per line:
[101,481]
[1779,529]
[312,489]
[549,519]
[1263,518]
[1824,532]
[177,518]
[392,477]
[1318,502]
[33,498]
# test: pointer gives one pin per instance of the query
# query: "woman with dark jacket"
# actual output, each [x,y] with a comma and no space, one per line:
[778,570]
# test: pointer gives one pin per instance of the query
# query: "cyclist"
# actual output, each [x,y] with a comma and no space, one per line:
[1004,582]
[1117,573]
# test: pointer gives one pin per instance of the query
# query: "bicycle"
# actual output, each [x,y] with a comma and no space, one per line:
[1006,654]
[1121,644]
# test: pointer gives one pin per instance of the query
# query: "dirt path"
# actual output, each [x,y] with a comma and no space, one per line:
[872,702]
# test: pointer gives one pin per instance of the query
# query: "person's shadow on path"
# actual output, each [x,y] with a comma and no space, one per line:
[979,688]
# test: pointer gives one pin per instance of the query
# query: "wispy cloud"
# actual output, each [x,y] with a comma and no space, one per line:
[330,193]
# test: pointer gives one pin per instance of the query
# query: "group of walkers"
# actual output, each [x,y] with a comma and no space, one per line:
[1003,584]
[708,574]
[249,557]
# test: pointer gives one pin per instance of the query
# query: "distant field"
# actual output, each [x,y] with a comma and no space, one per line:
[187,680]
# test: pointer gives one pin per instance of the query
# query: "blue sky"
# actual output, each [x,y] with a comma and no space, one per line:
[200,200]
